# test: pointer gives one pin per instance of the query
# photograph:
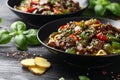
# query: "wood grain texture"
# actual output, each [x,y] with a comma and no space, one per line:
[11,69]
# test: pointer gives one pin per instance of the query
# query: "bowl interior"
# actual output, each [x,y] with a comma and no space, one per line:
[86,60]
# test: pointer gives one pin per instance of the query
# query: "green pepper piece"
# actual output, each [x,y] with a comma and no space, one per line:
[70,50]
[83,35]
[107,47]
[83,78]
[115,45]
[65,11]
[82,24]
[116,51]
[113,38]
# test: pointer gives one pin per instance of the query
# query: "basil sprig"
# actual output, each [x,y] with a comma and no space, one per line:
[101,7]
[0,20]
[21,36]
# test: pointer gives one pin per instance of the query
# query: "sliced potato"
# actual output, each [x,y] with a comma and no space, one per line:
[28,62]
[37,70]
[42,62]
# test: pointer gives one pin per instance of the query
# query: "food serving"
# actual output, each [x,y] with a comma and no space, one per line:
[86,37]
[48,7]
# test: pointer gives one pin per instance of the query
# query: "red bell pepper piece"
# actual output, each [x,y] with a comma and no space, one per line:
[62,27]
[97,22]
[55,10]
[31,10]
[74,37]
[34,3]
[61,10]
[102,37]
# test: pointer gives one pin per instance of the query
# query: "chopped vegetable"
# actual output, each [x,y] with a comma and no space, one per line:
[74,37]
[70,50]
[102,37]
[31,10]
[115,45]
[83,78]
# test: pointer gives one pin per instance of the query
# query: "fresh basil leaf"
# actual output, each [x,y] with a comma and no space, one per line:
[31,36]
[0,20]
[21,41]
[92,3]
[18,26]
[5,38]
[103,2]
[3,31]
[83,78]
[114,8]
[99,10]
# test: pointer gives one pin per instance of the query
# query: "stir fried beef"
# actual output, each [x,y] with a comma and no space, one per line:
[86,37]
[49,7]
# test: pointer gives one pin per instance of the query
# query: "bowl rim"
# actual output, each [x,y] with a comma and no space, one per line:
[111,55]
[10,7]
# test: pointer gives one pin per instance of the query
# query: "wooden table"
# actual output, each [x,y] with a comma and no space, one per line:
[11,69]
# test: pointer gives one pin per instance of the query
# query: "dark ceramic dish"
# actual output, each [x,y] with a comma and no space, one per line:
[37,19]
[80,60]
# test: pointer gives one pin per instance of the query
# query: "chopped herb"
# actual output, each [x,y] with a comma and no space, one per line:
[70,50]
[83,35]
[0,20]
[63,38]
[83,78]
[94,44]
[82,24]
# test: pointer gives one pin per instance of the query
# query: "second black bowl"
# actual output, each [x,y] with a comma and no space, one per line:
[37,20]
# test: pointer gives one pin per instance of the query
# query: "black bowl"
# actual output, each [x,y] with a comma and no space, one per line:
[37,20]
[79,60]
